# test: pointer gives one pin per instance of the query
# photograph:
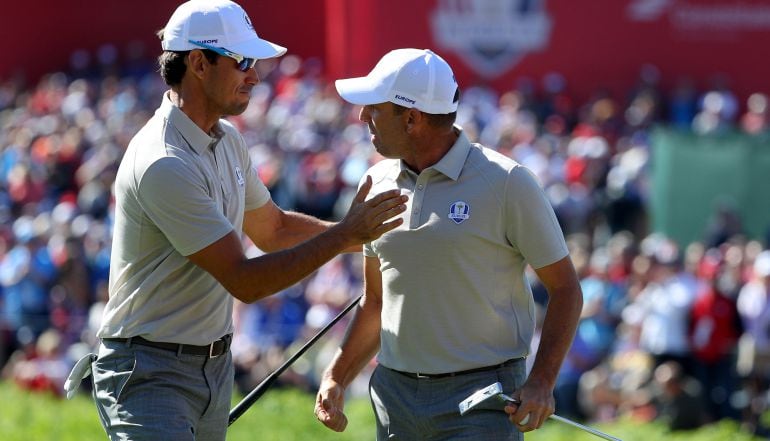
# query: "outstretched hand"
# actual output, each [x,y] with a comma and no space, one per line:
[367,220]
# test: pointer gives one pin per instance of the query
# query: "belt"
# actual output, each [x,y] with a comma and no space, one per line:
[212,350]
[418,375]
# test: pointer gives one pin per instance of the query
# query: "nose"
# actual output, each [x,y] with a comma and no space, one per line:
[364,115]
[252,77]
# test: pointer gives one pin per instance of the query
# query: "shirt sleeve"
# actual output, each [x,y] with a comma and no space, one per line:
[532,227]
[179,204]
[257,193]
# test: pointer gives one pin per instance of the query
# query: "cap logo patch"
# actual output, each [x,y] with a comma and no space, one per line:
[248,22]
[459,211]
[403,98]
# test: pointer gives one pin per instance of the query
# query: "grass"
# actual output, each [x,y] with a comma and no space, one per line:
[284,415]
[280,415]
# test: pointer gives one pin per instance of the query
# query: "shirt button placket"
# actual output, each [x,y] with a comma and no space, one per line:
[419,193]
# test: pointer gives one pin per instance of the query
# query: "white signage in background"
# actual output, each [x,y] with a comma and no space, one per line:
[690,16]
[647,10]
[491,36]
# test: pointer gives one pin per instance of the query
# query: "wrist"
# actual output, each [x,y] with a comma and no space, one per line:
[340,237]
[330,382]
[541,382]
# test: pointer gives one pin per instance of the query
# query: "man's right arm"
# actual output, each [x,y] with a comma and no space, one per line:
[361,343]
[252,279]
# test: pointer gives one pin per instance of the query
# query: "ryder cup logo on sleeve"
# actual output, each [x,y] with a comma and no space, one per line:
[459,211]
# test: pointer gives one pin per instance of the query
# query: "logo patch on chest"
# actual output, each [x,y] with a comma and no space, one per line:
[459,211]
[239,176]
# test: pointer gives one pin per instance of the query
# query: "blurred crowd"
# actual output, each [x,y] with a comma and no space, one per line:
[674,332]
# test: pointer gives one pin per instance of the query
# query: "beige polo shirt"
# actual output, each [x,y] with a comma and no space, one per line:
[177,191]
[455,296]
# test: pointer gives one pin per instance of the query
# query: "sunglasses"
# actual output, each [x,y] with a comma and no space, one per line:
[244,63]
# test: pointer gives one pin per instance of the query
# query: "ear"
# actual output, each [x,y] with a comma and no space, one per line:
[414,118]
[197,63]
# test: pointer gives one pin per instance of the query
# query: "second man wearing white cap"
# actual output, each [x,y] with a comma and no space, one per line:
[447,306]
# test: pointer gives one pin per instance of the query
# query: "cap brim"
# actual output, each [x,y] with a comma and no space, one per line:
[257,48]
[359,91]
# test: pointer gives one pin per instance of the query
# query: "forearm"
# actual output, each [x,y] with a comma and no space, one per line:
[360,345]
[295,228]
[259,277]
[561,319]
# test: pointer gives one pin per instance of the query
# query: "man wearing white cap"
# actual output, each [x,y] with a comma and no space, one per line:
[186,191]
[446,303]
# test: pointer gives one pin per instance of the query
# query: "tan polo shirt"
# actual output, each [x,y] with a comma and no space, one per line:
[177,191]
[455,296]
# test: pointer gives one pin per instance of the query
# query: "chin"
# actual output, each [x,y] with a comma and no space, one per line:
[237,109]
[385,154]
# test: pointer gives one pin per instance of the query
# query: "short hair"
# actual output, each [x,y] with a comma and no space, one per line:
[171,64]
[434,119]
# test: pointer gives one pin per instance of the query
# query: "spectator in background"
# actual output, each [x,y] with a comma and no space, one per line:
[683,103]
[26,275]
[757,116]
[754,309]
[662,308]
[677,397]
[718,109]
[714,330]
[40,365]
[602,303]
[645,99]
[724,224]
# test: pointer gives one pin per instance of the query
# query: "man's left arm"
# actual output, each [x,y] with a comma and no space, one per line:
[561,319]
[272,229]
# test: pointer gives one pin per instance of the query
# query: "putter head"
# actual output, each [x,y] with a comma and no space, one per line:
[481,396]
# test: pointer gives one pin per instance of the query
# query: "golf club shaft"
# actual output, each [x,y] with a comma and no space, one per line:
[262,387]
[590,430]
[586,428]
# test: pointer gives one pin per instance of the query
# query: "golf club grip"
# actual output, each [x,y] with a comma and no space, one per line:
[262,387]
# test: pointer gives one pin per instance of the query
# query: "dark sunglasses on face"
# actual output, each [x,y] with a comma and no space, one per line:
[244,63]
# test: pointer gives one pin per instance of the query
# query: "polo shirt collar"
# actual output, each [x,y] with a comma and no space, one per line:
[451,164]
[195,137]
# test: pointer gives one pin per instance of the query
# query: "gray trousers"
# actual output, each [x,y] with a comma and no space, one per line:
[144,393]
[424,409]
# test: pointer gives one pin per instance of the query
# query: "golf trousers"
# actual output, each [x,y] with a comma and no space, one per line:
[426,409]
[144,393]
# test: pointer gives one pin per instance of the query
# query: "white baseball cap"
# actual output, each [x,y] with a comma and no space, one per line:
[408,77]
[219,23]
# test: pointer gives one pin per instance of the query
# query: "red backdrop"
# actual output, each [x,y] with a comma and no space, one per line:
[596,43]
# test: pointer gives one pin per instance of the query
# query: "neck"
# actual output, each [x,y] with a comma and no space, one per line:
[430,146]
[193,105]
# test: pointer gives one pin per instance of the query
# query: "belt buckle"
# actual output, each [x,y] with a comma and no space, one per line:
[419,375]
[211,350]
